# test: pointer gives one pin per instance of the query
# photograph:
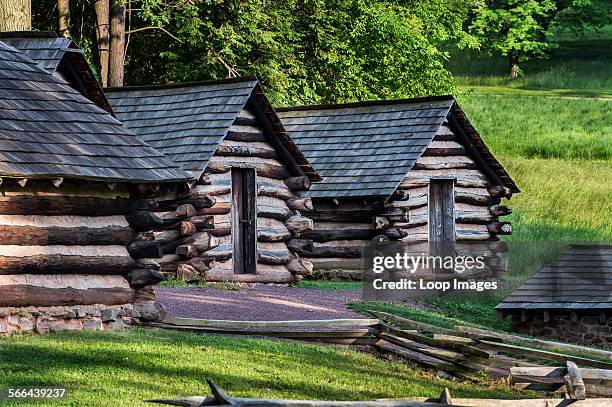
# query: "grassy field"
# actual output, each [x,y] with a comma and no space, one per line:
[557,148]
[125,368]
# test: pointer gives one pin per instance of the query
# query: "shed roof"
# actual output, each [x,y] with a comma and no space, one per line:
[49,130]
[581,278]
[44,47]
[366,149]
[59,55]
[187,121]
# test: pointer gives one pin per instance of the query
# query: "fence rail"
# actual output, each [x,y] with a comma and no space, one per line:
[464,352]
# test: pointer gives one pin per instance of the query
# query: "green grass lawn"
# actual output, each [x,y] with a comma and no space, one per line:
[125,368]
[540,127]
[442,313]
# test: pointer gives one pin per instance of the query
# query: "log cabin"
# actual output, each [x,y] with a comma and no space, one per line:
[75,195]
[570,298]
[413,170]
[248,173]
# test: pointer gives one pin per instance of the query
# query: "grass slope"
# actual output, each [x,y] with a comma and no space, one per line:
[559,152]
[540,127]
[125,368]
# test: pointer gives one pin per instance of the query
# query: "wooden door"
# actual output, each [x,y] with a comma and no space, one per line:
[244,223]
[442,217]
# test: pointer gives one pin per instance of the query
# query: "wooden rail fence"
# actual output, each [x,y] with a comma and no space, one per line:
[463,352]
[220,398]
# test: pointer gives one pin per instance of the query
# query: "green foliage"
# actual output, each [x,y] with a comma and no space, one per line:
[581,16]
[514,28]
[580,67]
[127,368]
[319,51]
[305,51]
[521,29]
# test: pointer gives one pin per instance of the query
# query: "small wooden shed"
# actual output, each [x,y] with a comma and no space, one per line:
[414,170]
[570,298]
[74,187]
[247,171]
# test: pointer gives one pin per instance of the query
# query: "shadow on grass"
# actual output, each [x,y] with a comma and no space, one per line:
[158,363]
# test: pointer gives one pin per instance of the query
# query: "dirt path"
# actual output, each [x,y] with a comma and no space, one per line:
[259,303]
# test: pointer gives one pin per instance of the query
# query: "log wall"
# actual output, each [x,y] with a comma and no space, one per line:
[340,229]
[202,248]
[477,202]
[65,259]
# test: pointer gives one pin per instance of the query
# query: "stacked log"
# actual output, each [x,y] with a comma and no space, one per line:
[185,232]
[70,247]
[477,202]
[339,231]
[278,220]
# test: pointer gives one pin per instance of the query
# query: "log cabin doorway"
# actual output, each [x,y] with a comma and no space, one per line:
[442,219]
[244,222]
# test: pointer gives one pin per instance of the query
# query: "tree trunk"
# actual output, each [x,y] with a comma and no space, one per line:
[117,44]
[513,60]
[15,15]
[103,38]
[63,15]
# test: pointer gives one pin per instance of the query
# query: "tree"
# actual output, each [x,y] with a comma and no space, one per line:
[304,51]
[514,28]
[578,16]
[102,12]
[63,17]
[519,29]
[116,57]
[15,15]
[311,51]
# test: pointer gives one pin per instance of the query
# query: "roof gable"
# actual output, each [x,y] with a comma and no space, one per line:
[364,149]
[59,55]
[484,157]
[186,122]
[45,48]
[49,130]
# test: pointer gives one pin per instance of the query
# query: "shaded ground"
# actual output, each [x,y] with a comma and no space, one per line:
[258,303]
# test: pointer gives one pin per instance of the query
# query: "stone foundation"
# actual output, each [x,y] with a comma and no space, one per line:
[337,275]
[579,327]
[97,317]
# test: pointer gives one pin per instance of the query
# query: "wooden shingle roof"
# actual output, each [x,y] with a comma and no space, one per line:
[49,130]
[59,55]
[366,149]
[186,122]
[581,278]
[46,48]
